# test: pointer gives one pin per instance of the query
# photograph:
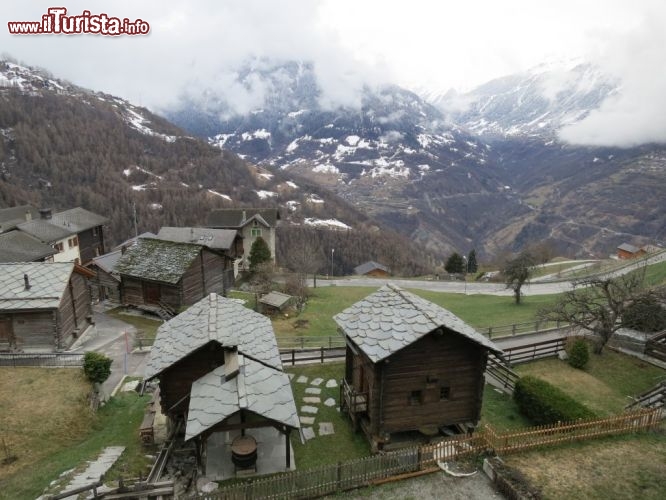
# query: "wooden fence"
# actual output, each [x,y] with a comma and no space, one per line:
[343,476]
[511,442]
[534,351]
[320,354]
[53,359]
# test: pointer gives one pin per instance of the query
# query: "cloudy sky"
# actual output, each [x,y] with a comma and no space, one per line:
[422,44]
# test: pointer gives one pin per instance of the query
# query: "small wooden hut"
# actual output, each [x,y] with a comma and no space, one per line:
[410,366]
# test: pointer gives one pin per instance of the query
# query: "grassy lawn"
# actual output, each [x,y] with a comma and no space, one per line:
[45,420]
[605,386]
[500,411]
[656,274]
[539,271]
[323,304]
[478,310]
[323,450]
[488,310]
[629,466]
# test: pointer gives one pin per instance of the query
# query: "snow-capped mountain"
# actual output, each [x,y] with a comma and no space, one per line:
[395,156]
[537,102]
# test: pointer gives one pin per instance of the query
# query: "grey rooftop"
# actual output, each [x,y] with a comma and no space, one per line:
[214,319]
[216,239]
[48,282]
[17,246]
[257,388]
[275,299]
[370,266]
[239,217]
[391,318]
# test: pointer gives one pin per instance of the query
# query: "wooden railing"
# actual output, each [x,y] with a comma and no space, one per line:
[343,476]
[352,400]
[57,359]
[656,346]
[504,375]
[320,355]
[533,351]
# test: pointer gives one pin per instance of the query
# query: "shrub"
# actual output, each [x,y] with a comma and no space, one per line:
[97,367]
[543,403]
[578,354]
[646,314]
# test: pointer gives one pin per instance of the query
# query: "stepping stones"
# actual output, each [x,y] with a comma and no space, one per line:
[307,420]
[326,429]
[314,400]
[308,433]
[330,402]
[331,383]
[309,409]
[313,390]
[317,381]
[302,379]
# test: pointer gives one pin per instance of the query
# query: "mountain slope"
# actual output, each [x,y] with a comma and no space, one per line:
[63,146]
[395,157]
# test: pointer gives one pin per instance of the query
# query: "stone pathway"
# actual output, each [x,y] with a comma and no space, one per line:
[312,400]
[96,469]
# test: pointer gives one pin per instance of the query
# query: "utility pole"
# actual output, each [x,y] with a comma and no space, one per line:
[332,251]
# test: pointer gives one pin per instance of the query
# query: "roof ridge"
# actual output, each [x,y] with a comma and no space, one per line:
[402,293]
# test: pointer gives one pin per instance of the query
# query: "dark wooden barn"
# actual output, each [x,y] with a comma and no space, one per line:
[173,274]
[106,283]
[219,371]
[410,366]
[43,305]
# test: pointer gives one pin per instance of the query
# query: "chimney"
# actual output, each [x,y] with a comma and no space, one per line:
[244,216]
[123,249]
[26,280]
[45,213]
[28,215]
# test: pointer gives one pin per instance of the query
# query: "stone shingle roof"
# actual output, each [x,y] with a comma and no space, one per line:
[78,219]
[17,246]
[13,216]
[214,319]
[369,266]
[238,217]
[62,224]
[391,319]
[45,231]
[108,261]
[157,260]
[216,239]
[257,388]
[48,282]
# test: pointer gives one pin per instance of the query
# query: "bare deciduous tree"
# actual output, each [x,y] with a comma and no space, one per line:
[516,273]
[597,305]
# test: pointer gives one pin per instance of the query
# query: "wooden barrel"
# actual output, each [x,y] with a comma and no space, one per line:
[244,451]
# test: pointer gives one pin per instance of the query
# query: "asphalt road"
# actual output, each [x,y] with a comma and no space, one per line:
[476,287]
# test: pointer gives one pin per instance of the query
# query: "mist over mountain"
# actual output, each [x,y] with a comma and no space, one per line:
[486,169]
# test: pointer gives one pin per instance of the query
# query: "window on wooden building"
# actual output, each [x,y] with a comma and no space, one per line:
[444,393]
[416,398]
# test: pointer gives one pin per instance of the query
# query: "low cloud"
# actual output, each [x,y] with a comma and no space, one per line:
[637,113]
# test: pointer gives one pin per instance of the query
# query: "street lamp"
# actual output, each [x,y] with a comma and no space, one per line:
[465,273]
[332,251]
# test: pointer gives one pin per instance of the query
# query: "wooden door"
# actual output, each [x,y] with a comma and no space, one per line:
[151,293]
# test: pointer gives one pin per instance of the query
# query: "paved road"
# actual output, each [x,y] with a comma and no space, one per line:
[476,288]
[114,338]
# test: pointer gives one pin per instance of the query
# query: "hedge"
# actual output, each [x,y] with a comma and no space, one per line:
[543,403]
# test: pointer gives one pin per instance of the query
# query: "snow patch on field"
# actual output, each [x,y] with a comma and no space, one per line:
[225,196]
[266,194]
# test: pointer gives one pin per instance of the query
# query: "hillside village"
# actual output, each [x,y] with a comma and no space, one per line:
[245,263]
[216,397]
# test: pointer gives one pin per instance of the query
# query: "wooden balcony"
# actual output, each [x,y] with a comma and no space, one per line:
[353,401]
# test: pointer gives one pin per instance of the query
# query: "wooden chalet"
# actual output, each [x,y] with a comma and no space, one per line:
[106,283]
[43,306]
[628,251]
[176,268]
[410,366]
[274,303]
[219,371]
[372,269]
